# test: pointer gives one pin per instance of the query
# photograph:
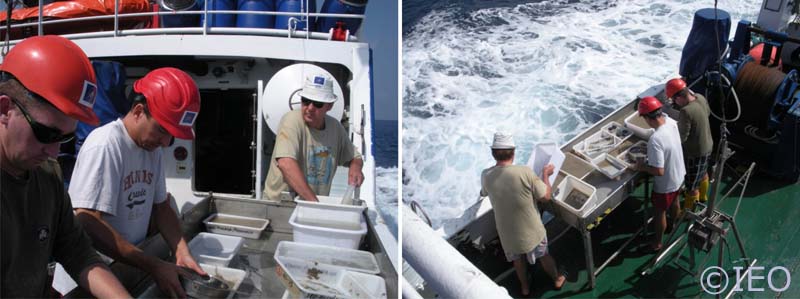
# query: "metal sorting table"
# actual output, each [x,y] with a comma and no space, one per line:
[610,193]
[255,256]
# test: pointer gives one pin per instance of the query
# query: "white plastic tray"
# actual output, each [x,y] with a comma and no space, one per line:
[611,167]
[235,225]
[594,149]
[306,279]
[360,285]
[329,201]
[214,249]
[637,124]
[622,156]
[234,277]
[348,259]
[618,130]
[327,224]
[565,188]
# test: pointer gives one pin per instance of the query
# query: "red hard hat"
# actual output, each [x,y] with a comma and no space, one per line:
[674,86]
[648,104]
[56,69]
[173,100]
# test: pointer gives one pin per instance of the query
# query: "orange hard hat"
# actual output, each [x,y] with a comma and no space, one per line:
[674,86]
[56,69]
[173,100]
[648,104]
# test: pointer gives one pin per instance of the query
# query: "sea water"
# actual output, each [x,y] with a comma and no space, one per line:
[385,150]
[541,70]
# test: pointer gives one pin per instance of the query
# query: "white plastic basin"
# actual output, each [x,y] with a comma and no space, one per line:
[214,249]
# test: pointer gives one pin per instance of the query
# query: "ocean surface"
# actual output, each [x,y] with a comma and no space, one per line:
[541,70]
[384,137]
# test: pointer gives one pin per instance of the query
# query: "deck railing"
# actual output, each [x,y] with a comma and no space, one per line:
[204,28]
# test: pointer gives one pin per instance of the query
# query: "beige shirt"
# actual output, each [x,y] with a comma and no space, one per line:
[318,152]
[513,191]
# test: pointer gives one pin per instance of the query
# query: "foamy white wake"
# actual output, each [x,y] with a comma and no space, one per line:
[539,72]
[386,195]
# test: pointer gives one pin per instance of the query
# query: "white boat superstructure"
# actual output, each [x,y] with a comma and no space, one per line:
[248,78]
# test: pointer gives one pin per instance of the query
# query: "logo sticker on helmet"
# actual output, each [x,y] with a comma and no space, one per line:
[88,94]
[188,118]
[319,80]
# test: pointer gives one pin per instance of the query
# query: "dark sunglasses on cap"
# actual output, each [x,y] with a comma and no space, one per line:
[316,104]
[44,134]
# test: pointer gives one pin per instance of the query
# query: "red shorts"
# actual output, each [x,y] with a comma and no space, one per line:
[662,201]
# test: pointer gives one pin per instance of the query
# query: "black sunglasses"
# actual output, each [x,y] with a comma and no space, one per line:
[44,134]
[316,104]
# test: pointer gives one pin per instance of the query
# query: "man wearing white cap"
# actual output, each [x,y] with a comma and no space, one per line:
[513,191]
[309,145]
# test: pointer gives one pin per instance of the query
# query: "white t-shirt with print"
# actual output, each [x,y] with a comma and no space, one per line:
[115,176]
[664,151]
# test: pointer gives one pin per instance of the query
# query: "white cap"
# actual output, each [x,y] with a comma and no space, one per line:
[318,88]
[503,141]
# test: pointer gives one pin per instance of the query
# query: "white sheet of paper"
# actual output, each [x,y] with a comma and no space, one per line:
[543,154]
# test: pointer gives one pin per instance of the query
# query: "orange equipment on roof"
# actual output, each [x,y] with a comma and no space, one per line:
[76,9]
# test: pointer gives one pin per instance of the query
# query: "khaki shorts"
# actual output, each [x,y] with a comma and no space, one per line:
[535,253]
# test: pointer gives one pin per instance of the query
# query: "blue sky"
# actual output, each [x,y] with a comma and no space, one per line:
[380,31]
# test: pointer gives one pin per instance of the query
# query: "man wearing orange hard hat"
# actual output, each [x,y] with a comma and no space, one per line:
[696,139]
[46,85]
[664,163]
[118,180]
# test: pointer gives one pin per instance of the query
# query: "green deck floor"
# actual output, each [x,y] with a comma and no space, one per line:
[768,220]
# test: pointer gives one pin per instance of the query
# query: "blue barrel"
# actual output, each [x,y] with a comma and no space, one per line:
[281,22]
[219,20]
[171,21]
[355,7]
[255,21]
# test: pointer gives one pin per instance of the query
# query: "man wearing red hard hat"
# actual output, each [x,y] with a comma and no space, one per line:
[664,163]
[118,180]
[696,139]
[46,85]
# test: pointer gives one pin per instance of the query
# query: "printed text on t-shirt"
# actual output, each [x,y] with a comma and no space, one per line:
[137,176]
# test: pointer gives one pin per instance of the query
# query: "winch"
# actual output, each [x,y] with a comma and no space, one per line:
[755,94]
